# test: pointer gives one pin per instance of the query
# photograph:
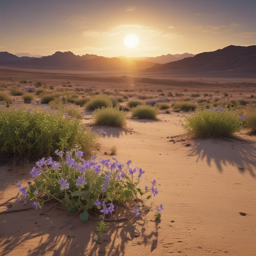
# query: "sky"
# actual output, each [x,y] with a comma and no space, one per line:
[42,27]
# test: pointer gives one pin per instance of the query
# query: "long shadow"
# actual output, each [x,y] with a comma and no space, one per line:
[223,153]
[144,120]
[44,236]
[114,132]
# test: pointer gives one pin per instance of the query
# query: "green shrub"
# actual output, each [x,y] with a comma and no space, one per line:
[212,123]
[72,111]
[49,97]
[134,103]
[235,103]
[163,106]
[184,106]
[145,112]
[36,132]
[39,91]
[110,117]
[81,102]
[250,119]
[15,91]
[120,99]
[99,102]
[28,97]
[5,97]
[70,99]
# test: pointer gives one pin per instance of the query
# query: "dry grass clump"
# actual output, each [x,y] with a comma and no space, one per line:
[99,102]
[49,97]
[134,103]
[5,97]
[15,91]
[145,112]
[82,102]
[110,117]
[39,91]
[163,106]
[250,119]
[212,123]
[28,97]
[184,106]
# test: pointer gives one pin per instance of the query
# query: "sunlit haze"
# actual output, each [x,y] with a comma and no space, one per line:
[100,27]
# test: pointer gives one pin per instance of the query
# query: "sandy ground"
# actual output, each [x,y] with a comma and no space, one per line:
[203,186]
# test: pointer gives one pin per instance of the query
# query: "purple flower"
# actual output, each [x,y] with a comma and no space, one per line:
[120,166]
[18,200]
[153,182]
[146,188]
[23,191]
[159,208]
[35,204]
[41,162]
[112,166]
[69,153]
[97,202]
[55,165]
[70,161]
[132,171]
[105,209]
[34,172]
[129,162]
[97,169]
[18,185]
[154,191]
[13,99]
[114,159]
[36,192]
[33,102]
[111,208]
[59,153]
[49,161]
[64,184]
[101,131]
[140,173]
[242,117]
[136,211]
[79,154]
[81,181]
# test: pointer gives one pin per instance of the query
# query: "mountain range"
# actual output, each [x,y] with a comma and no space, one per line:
[90,62]
[231,61]
[235,61]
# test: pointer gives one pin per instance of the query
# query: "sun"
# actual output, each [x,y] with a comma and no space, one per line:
[131,41]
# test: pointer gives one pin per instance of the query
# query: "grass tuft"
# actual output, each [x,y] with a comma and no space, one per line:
[184,106]
[110,117]
[134,103]
[145,112]
[99,102]
[212,123]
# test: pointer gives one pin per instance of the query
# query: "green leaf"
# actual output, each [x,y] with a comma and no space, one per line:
[148,197]
[139,190]
[84,216]
[72,209]
[76,193]
[127,194]
[130,186]
[86,195]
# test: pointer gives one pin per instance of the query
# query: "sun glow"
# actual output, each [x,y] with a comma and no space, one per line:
[131,41]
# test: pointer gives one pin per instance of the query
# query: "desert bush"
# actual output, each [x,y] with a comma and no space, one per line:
[142,97]
[113,150]
[120,99]
[201,100]
[82,102]
[15,91]
[170,94]
[243,102]
[134,103]
[145,112]
[28,97]
[72,111]
[29,88]
[88,188]
[33,133]
[195,95]
[250,119]
[163,106]
[49,97]
[51,87]
[206,94]
[70,99]
[110,117]
[184,106]
[114,101]
[5,97]
[212,123]
[99,102]
[235,103]
[39,91]
[38,84]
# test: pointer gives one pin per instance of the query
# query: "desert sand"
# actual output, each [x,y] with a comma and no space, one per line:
[207,188]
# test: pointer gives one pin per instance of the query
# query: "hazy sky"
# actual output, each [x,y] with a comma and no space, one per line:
[99,26]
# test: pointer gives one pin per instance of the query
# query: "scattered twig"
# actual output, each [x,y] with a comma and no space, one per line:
[9,200]
[17,210]
[68,221]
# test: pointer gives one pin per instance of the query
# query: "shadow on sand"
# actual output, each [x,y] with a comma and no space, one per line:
[42,235]
[223,153]
[114,132]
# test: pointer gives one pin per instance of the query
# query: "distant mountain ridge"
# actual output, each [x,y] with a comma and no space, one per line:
[239,61]
[70,61]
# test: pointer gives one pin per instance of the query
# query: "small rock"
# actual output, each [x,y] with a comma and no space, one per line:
[172,221]
[188,145]
[242,213]
[105,153]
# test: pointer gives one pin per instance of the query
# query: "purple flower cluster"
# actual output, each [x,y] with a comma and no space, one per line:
[105,210]
[242,117]
[102,131]
[23,192]
[153,188]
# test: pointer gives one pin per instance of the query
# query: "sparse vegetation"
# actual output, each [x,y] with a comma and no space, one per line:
[184,106]
[145,112]
[82,102]
[5,97]
[163,106]
[212,123]
[134,103]
[99,102]
[28,97]
[15,91]
[110,117]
